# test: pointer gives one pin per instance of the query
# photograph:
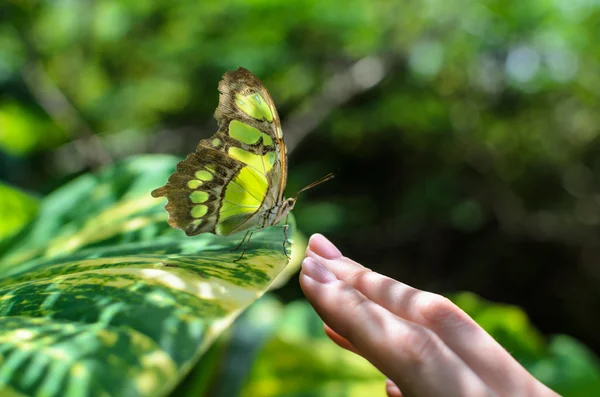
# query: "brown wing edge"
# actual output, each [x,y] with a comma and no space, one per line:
[232,82]
[178,193]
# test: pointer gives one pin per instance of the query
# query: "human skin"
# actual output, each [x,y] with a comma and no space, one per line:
[421,341]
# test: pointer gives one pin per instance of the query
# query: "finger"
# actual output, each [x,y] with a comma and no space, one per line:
[412,356]
[340,340]
[391,389]
[464,336]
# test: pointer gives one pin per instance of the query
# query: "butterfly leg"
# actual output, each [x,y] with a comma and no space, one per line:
[246,247]
[241,242]
[285,236]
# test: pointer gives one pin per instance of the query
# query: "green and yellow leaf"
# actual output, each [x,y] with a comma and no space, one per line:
[17,208]
[102,298]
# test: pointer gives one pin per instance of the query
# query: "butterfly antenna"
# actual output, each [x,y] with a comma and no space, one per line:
[315,183]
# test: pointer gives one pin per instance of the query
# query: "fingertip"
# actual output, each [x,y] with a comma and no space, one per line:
[391,389]
[316,271]
[321,246]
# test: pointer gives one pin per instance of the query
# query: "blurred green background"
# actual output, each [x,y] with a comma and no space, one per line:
[465,133]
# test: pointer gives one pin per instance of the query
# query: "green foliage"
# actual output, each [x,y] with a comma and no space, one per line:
[16,210]
[35,130]
[146,55]
[465,134]
[563,363]
[299,360]
[277,350]
[101,296]
[508,324]
[569,367]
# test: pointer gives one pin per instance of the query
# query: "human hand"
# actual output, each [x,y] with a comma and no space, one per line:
[421,341]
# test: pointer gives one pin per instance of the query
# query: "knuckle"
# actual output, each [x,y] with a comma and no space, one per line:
[369,321]
[359,276]
[422,345]
[437,310]
[358,304]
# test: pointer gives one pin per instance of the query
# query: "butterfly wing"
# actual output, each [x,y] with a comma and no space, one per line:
[232,177]
[238,97]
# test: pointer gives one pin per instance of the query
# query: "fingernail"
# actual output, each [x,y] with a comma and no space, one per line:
[317,271]
[323,247]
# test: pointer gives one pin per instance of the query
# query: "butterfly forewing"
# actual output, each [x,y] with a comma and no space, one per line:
[245,98]
[236,174]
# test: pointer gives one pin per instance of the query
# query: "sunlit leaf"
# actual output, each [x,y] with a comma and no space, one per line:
[102,297]
[23,130]
[16,209]
[570,368]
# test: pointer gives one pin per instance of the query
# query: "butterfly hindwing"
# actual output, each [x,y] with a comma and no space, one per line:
[238,172]
[196,189]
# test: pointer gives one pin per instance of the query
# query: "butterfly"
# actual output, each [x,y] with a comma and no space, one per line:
[235,180]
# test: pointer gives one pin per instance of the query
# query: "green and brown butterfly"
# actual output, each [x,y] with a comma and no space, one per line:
[235,180]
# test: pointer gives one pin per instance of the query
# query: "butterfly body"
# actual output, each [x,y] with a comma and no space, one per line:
[235,180]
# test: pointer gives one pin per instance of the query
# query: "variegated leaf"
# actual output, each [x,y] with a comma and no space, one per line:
[100,297]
